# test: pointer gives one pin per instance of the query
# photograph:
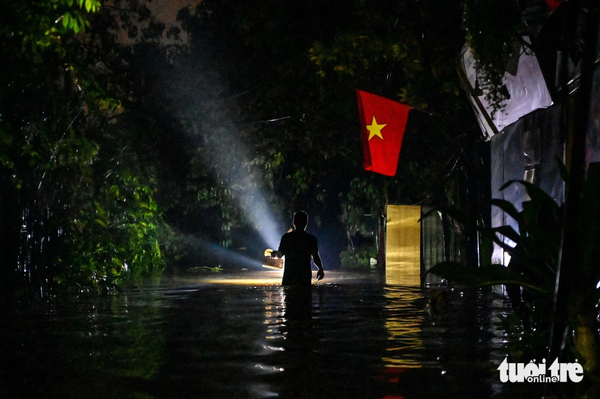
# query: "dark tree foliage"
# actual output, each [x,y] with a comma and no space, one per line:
[407,51]
[77,204]
[287,75]
[108,132]
[253,102]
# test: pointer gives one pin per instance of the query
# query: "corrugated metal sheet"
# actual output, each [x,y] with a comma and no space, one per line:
[526,150]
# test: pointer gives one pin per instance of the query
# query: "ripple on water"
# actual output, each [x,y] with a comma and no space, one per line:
[351,338]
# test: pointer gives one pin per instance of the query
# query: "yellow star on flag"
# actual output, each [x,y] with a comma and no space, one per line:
[375,129]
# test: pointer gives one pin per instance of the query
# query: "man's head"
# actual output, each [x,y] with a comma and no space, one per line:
[300,220]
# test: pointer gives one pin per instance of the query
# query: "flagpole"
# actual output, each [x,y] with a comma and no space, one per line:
[382,229]
[385,192]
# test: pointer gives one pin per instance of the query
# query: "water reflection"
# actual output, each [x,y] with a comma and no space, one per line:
[404,325]
[347,339]
[319,347]
[96,348]
[292,331]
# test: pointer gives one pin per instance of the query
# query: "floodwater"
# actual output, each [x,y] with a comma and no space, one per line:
[244,336]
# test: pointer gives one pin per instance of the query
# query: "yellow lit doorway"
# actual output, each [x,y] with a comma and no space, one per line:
[403,245]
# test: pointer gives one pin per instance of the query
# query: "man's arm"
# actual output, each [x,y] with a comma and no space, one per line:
[319,264]
[280,251]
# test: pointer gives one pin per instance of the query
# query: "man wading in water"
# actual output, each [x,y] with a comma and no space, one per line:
[298,247]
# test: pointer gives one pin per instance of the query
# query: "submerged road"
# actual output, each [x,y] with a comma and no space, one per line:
[244,336]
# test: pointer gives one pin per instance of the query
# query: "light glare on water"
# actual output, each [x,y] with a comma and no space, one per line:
[245,336]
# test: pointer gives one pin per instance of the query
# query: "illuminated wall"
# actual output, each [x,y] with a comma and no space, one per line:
[403,245]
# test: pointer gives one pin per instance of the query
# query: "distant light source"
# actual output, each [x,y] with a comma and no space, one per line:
[272,263]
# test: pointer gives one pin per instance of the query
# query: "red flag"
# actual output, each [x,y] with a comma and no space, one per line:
[553,4]
[383,122]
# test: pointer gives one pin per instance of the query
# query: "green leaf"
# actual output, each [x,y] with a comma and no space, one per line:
[508,232]
[483,276]
[534,192]
[99,209]
[502,244]
[66,19]
[114,189]
[507,207]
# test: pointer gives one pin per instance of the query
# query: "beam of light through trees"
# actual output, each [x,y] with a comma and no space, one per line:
[244,181]
[215,250]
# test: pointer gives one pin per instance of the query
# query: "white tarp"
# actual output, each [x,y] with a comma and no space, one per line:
[527,91]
